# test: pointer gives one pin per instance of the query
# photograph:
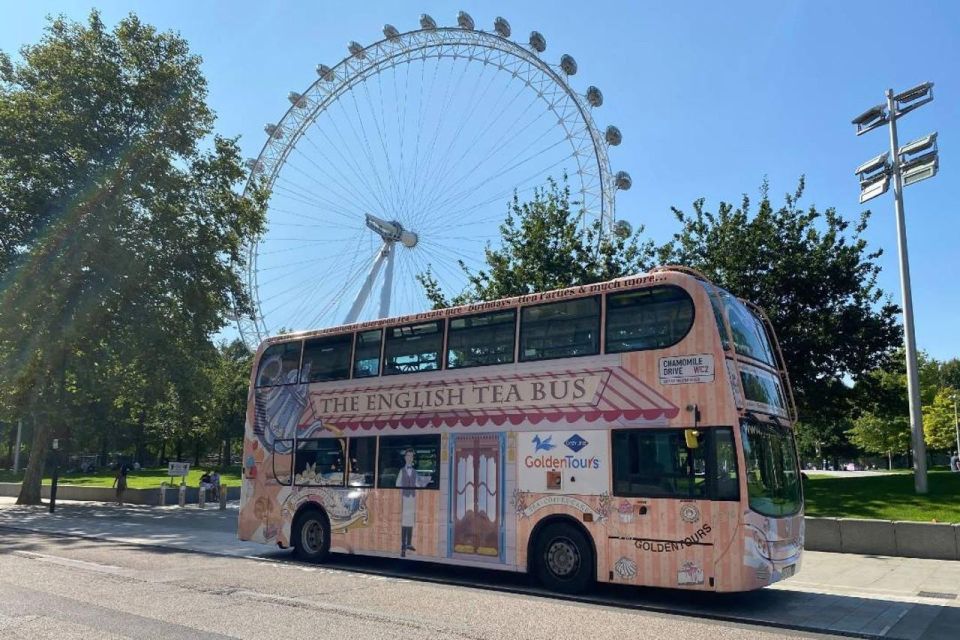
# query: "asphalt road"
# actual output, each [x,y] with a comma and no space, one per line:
[65,587]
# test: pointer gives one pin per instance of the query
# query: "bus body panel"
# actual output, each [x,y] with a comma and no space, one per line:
[520,443]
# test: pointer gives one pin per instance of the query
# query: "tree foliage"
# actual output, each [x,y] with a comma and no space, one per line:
[812,272]
[939,420]
[120,225]
[546,244]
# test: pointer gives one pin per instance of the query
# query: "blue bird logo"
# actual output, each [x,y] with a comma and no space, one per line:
[542,445]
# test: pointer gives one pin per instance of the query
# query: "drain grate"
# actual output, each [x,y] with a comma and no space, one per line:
[937,594]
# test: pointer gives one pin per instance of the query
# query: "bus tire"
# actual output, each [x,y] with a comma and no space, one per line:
[311,536]
[563,558]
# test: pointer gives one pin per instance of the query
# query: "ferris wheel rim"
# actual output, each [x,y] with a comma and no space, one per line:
[266,168]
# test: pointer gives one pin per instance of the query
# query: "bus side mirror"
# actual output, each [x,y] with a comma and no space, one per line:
[690,435]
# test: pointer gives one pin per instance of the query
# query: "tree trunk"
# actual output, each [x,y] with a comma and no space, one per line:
[227,454]
[162,452]
[179,449]
[196,453]
[32,478]
[889,460]
[140,446]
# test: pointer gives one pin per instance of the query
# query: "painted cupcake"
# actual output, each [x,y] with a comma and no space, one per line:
[625,509]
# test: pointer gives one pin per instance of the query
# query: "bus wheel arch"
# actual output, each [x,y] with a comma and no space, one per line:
[310,533]
[566,535]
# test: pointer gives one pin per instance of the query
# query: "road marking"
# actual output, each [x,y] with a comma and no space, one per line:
[77,564]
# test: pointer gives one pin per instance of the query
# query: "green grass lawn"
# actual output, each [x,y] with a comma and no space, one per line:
[142,479]
[884,497]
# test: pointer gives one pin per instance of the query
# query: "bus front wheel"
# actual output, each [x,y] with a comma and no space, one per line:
[563,559]
[311,536]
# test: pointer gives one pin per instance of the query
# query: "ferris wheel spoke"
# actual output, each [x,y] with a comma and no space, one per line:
[444,103]
[349,193]
[297,192]
[387,193]
[431,177]
[394,191]
[496,148]
[368,189]
[465,192]
[383,196]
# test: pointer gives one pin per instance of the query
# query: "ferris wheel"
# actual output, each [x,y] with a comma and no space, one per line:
[402,159]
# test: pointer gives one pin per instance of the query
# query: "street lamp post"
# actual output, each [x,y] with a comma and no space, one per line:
[906,165]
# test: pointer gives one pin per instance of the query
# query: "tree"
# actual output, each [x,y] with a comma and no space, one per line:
[812,272]
[939,421]
[546,244]
[120,224]
[880,399]
[227,405]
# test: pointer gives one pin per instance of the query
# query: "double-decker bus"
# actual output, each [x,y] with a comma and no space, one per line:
[637,431]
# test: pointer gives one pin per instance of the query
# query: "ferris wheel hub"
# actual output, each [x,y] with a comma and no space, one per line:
[392,231]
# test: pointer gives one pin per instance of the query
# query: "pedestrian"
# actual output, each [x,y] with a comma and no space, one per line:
[215,481]
[955,462]
[120,482]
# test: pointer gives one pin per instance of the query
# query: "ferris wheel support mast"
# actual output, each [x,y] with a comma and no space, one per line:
[391,232]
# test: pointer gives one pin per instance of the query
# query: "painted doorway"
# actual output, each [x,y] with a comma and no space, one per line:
[476,509]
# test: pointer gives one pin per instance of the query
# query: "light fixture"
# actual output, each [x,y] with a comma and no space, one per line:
[912,98]
[870,119]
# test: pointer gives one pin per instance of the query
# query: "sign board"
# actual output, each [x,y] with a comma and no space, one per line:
[578,459]
[56,443]
[686,369]
[178,468]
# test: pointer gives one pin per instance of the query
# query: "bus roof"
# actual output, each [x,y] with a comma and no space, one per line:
[656,275]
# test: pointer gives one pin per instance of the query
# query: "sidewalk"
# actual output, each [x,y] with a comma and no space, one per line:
[857,595]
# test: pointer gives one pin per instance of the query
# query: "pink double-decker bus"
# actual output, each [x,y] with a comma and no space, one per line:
[637,431]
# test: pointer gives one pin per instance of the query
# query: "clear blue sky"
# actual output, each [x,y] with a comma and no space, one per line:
[710,96]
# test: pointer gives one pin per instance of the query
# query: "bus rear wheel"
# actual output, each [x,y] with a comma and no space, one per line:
[311,536]
[563,559]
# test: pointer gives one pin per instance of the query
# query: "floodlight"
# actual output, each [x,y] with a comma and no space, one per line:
[870,119]
[912,98]
[870,189]
[870,166]
[919,146]
[921,168]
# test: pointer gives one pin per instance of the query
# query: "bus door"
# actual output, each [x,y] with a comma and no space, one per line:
[476,509]
[662,532]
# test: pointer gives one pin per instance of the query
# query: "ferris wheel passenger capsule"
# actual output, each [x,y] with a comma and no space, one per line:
[356,49]
[623,228]
[465,21]
[622,181]
[273,131]
[325,72]
[594,96]
[253,165]
[502,27]
[427,23]
[568,64]
[296,99]
[538,42]
[390,32]
[613,136]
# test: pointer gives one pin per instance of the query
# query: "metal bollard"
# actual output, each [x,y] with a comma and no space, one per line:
[183,495]
[223,497]
[163,494]
[201,497]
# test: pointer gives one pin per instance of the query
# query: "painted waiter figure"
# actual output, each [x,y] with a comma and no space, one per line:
[407,481]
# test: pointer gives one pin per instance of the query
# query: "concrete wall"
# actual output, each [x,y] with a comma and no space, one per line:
[884,538]
[107,494]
